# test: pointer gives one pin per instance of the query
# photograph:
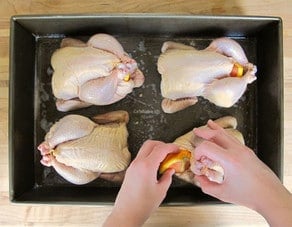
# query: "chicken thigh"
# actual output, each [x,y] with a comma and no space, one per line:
[98,72]
[81,150]
[206,166]
[219,73]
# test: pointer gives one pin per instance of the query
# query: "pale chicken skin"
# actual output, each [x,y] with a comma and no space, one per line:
[219,73]
[98,72]
[81,150]
[207,167]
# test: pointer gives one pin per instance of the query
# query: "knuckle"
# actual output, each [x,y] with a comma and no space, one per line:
[204,145]
[141,165]
[219,131]
[147,142]
[150,142]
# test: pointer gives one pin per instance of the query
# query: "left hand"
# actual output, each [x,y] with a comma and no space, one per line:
[141,192]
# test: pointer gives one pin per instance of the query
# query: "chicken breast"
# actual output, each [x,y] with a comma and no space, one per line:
[81,150]
[98,72]
[219,73]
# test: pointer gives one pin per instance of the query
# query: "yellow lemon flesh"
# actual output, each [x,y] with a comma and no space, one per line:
[237,70]
[179,161]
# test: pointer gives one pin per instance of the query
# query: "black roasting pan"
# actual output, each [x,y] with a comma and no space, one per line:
[32,110]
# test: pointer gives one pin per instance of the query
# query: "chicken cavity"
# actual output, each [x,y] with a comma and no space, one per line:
[98,72]
[219,73]
[81,150]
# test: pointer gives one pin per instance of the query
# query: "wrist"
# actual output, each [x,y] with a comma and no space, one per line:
[122,219]
[276,210]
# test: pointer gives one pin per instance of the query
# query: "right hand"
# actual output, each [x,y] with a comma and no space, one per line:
[141,192]
[247,180]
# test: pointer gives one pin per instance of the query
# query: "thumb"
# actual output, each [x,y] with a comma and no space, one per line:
[166,179]
[207,186]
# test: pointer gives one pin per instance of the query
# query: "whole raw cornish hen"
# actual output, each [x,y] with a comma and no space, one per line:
[81,150]
[185,168]
[98,72]
[219,73]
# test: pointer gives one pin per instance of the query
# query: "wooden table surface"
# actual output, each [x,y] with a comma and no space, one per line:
[215,215]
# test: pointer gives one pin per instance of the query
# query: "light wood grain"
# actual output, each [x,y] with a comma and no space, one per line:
[223,215]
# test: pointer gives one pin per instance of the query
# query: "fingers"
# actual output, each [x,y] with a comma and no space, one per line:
[231,138]
[213,125]
[160,152]
[166,179]
[147,148]
[209,132]
[210,150]
[154,152]
[207,186]
[205,133]
[215,133]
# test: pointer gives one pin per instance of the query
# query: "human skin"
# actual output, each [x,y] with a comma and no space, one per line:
[141,192]
[247,181]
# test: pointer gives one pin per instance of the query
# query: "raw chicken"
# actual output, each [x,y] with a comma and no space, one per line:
[205,166]
[98,72]
[219,73]
[81,150]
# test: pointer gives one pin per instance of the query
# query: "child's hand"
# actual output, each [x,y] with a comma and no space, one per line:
[247,180]
[141,192]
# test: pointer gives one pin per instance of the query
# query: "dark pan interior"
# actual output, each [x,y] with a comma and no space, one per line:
[33,111]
